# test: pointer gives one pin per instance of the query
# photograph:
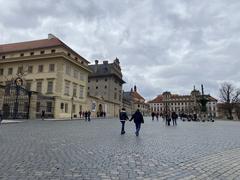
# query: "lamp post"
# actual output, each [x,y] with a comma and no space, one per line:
[203,102]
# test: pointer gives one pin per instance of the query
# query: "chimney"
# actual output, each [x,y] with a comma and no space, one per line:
[51,36]
[96,66]
[135,88]
[131,89]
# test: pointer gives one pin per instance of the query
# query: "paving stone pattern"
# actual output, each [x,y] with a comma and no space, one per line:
[68,150]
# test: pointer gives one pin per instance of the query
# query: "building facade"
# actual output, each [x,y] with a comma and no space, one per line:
[132,101]
[106,82]
[223,112]
[50,68]
[187,104]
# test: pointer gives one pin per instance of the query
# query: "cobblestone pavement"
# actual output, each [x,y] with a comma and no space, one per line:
[96,150]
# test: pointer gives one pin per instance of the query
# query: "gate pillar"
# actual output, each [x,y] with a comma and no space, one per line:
[33,106]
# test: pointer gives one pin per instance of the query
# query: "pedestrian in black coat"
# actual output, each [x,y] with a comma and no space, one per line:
[89,115]
[123,118]
[138,119]
[174,118]
[1,117]
[86,115]
[43,115]
[153,114]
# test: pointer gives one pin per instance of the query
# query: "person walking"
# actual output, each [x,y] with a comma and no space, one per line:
[168,119]
[89,115]
[138,120]
[86,115]
[157,115]
[123,118]
[80,114]
[43,115]
[1,117]
[153,114]
[174,118]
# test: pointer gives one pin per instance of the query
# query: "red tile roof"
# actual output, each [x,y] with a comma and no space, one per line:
[36,44]
[28,45]
[158,99]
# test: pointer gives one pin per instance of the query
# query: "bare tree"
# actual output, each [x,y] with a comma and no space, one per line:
[230,97]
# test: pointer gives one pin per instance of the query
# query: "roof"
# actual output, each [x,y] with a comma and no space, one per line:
[52,41]
[21,46]
[106,69]
[158,99]
[136,95]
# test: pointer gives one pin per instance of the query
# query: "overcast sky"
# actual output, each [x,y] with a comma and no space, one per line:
[161,44]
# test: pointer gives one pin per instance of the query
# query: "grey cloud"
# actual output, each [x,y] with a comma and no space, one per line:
[162,45]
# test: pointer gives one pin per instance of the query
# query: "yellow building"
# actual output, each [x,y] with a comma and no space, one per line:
[51,68]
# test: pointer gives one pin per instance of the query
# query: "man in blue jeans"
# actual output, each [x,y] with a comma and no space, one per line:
[138,119]
[123,117]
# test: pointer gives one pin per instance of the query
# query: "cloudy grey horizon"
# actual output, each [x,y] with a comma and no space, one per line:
[165,45]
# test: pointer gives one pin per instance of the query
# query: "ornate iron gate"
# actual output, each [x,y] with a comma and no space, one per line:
[16,101]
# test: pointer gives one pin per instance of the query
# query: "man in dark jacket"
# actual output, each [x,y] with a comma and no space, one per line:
[123,117]
[138,119]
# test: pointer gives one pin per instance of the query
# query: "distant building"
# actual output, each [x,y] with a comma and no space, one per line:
[50,68]
[106,82]
[132,101]
[187,104]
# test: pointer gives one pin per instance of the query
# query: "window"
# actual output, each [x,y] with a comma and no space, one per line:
[75,73]
[62,106]
[53,50]
[115,95]
[105,87]
[1,71]
[30,69]
[3,57]
[10,71]
[42,52]
[76,58]
[81,92]
[20,70]
[66,107]
[31,53]
[40,68]
[22,54]
[68,70]
[69,54]
[28,85]
[67,88]
[105,79]
[51,67]
[38,107]
[50,87]
[96,87]
[82,77]
[39,86]
[75,90]
[73,108]
[49,106]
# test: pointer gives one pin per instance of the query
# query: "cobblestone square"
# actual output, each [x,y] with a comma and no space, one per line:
[96,150]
